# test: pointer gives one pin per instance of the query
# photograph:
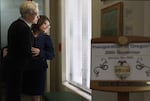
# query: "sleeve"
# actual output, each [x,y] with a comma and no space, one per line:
[26,42]
[48,51]
[20,40]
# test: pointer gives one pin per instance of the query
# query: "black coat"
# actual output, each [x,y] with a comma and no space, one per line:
[20,41]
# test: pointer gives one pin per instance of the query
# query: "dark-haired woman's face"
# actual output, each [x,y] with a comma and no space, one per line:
[45,26]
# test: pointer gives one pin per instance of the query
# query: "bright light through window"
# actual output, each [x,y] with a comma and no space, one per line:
[76,41]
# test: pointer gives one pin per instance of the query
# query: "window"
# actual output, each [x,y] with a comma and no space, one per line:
[76,41]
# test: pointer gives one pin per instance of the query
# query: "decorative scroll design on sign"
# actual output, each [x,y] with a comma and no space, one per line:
[102,66]
[140,66]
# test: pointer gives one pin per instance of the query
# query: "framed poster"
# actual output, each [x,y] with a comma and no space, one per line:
[111,20]
[120,68]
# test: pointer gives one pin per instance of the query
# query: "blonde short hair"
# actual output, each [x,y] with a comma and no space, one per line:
[28,7]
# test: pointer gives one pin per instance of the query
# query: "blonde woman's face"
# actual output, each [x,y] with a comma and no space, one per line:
[45,26]
[35,17]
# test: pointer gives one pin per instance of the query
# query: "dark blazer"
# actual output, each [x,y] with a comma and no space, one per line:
[34,79]
[20,41]
[45,44]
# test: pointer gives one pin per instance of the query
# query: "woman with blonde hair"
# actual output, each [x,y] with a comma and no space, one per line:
[20,41]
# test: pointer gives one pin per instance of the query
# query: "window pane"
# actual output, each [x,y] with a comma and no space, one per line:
[78,36]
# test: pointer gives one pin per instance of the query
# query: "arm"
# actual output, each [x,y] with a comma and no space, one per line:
[48,51]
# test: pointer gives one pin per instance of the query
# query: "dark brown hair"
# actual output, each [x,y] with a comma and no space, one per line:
[42,19]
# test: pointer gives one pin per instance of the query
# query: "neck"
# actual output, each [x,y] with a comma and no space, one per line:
[36,33]
[26,21]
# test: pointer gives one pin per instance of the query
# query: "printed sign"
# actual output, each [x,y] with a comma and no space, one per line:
[113,62]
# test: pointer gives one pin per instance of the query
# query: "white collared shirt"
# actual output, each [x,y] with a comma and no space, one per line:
[29,24]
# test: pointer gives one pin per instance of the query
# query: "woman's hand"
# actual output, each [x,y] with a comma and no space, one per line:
[35,51]
[5,52]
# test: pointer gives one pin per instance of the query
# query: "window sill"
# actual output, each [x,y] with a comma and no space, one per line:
[78,91]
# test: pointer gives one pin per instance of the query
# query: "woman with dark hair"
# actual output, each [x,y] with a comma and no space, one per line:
[42,50]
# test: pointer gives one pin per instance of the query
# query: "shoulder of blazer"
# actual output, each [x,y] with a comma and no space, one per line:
[19,24]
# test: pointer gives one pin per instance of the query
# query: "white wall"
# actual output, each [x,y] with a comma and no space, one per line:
[147,18]
[133,18]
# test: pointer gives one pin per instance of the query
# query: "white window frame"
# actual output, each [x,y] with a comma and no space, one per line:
[85,13]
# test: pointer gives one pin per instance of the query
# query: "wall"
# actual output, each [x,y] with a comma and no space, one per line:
[55,70]
[136,22]
[96,4]
[146,18]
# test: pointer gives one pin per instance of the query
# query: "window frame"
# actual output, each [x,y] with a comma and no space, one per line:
[64,40]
